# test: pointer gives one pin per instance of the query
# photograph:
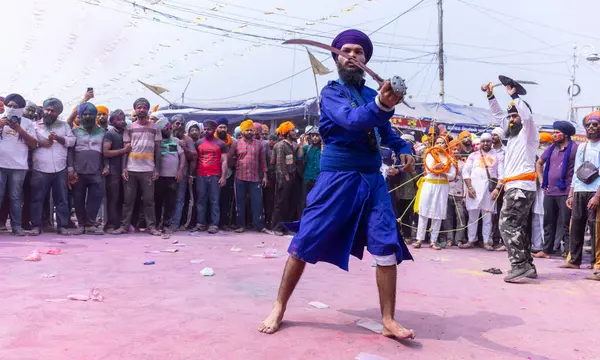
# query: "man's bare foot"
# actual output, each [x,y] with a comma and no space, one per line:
[568,265]
[392,329]
[271,324]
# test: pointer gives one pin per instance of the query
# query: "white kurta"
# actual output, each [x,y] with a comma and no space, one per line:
[521,149]
[474,169]
[434,197]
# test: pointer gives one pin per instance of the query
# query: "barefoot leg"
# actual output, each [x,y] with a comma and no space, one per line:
[386,283]
[291,275]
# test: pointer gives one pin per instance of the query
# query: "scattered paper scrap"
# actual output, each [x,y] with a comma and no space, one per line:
[236,249]
[34,256]
[55,300]
[146,246]
[197,261]
[78,297]
[367,356]
[175,241]
[152,252]
[170,250]
[318,305]
[55,251]
[261,245]
[271,253]
[207,272]
[369,324]
[48,276]
[149,262]
[180,245]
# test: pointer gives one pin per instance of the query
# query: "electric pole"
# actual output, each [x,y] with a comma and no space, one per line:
[441,49]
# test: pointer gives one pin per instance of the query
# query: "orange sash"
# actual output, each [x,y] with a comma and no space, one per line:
[527,176]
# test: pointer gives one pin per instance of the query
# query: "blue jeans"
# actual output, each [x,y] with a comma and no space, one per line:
[88,194]
[13,180]
[207,187]
[182,186]
[255,190]
[41,183]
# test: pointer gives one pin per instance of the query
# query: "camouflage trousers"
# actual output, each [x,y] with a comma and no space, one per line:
[514,224]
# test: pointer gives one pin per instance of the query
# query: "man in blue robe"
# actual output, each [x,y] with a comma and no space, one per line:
[349,207]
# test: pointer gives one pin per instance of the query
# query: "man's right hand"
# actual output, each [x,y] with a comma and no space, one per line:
[472,193]
[570,202]
[125,175]
[3,122]
[488,88]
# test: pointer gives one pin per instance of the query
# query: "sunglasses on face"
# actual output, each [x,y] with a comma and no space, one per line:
[592,124]
[513,116]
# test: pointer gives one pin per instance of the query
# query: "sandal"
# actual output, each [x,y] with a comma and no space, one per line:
[467,246]
[450,244]
[488,247]
[435,246]
[417,245]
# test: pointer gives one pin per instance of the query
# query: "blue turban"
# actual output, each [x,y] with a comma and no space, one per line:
[141,101]
[18,99]
[564,127]
[87,107]
[54,102]
[222,121]
[353,36]
[237,131]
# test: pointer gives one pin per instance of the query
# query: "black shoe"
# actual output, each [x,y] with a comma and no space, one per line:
[18,232]
[35,231]
[517,274]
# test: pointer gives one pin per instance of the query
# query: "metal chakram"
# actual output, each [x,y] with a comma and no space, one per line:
[398,83]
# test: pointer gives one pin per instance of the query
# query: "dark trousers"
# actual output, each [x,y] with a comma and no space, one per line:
[141,181]
[226,203]
[284,204]
[307,186]
[41,184]
[88,193]
[557,217]
[165,199]
[11,183]
[514,222]
[580,218]
[405,212]
[114,201]
[456,218]
[269,201]
[255,190]
[208,190]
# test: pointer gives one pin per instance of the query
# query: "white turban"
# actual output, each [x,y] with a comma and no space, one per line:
[500,132]
[486,136]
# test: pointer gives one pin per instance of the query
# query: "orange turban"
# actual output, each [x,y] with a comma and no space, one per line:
[546,137]
[265,128]
[247,125]
[463,135]
[285,128]
[102,109]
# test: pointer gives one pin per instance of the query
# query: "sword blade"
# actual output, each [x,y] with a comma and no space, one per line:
[336,51]
[526,82]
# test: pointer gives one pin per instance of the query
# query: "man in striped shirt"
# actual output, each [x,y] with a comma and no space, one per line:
[141,166]
[250,164]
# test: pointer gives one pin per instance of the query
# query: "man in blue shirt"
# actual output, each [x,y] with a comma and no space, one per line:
[349,207]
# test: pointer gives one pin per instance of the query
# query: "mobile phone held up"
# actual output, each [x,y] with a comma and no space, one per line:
[90,89]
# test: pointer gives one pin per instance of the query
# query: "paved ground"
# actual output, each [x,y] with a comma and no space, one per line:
[169,311]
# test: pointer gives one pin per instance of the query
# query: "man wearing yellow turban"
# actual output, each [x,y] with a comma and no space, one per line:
[102,117]
[250,175]
[286,177]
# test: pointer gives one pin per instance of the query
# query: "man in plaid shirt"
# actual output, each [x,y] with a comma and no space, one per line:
[250,163]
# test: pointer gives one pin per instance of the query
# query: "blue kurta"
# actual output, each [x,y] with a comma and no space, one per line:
[349,207]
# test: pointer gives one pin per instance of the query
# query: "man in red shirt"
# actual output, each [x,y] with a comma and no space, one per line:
[212,171]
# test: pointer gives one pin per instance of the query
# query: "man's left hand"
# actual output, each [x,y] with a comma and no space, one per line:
[222,181]
[408,163]
[265,182]
[393,171]
[4,122]
[495,194]
[594,202]
[155,175]
[16,127]
[510,90]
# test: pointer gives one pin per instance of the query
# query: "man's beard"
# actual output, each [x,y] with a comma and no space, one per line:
[350,76]
[248,136]
[222,135]
[88,123]
[594,135]
[48,120]
[514,130]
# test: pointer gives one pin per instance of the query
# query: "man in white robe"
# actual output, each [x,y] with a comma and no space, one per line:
[482,168]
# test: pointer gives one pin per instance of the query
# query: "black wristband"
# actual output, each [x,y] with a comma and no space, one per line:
[515,96]
[491,97]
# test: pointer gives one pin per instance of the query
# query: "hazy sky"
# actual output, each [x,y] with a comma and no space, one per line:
[59,48]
